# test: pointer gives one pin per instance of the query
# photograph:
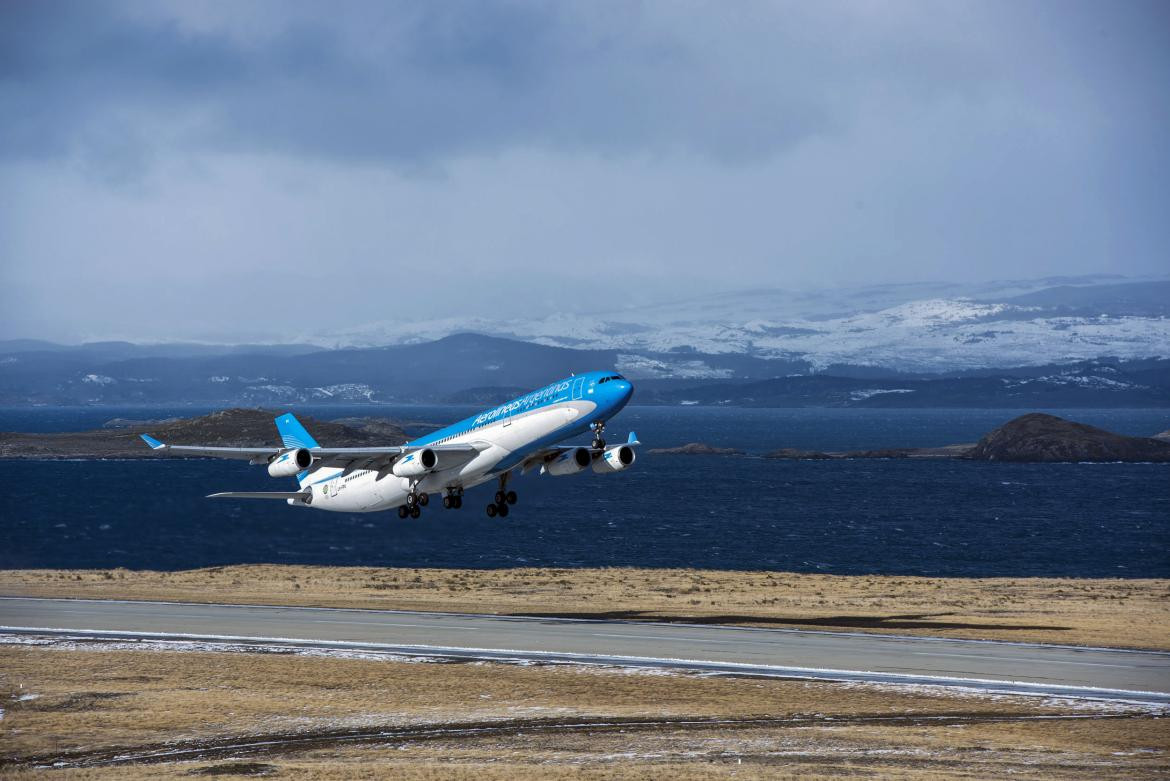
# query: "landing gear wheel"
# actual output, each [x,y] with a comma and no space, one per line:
[458,502]
[415,511]
[411,500]
[403,511]
[492,510]
[424,499]
[511,497]
[448,502]
[502,509]
[501,497]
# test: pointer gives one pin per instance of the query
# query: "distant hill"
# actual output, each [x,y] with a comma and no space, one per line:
[227,428]
[1088,384]
[1133,299]
[483,370]
[923,327]
[463,368]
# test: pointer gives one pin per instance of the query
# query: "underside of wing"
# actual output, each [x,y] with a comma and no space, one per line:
[302,496]
[569,459]
[379,458]
[347,458]
[207,451]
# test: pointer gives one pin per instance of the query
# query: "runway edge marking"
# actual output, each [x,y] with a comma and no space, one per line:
[610,621]
[566,657]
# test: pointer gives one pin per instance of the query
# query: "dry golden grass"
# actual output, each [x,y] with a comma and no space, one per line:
[93,704]
[1107,612]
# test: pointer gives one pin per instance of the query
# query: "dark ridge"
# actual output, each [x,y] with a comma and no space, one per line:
[227,428]
[1040,437]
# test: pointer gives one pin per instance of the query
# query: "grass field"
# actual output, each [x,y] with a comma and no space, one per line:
[97,710]
[1115,612]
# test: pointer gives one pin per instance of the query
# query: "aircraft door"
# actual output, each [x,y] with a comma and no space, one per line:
[578,388]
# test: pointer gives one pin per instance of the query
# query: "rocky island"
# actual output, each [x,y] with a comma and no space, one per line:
[1040,437]
[227,428]
[696,449]
[1035,437]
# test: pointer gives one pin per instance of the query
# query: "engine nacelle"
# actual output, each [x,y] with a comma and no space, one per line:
[614,459]
[569,462]
[289,462]
[415,464]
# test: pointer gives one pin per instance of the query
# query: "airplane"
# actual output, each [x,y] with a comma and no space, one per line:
[515,437]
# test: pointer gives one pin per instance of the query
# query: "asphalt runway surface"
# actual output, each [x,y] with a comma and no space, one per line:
[1018,668]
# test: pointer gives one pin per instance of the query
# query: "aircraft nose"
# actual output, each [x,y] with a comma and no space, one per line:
[623,390]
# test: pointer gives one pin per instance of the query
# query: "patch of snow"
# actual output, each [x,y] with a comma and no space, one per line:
[353,391]
[926,335]
[98,379]
[861,395]
[266,391]
[638,367]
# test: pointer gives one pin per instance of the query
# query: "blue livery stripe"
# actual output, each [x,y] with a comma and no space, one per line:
[154,443]
[292,433]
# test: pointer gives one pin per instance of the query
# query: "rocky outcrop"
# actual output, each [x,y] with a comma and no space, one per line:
[227,428]
[697,449]
[1040,437]
[793,453]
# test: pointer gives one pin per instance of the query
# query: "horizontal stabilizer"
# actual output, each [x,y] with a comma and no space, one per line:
[154,443]
[302,495]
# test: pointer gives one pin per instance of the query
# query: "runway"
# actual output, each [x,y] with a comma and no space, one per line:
[1017,668]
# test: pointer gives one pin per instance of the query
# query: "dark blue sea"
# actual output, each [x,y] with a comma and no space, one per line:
[848,517]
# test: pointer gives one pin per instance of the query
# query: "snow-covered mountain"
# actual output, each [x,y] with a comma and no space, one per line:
[1013,323]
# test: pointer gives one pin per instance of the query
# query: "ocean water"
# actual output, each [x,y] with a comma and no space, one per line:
[848,517]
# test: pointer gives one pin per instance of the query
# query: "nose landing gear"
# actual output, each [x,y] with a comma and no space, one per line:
[598,427]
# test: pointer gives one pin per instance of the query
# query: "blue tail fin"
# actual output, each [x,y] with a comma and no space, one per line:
[292,433]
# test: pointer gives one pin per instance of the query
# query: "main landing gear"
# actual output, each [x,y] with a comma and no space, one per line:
[453,499]
[598,427]
[504,498]
[414,504]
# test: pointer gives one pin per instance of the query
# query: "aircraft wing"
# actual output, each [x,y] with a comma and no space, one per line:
[542,457]
[322,456]
[299,496]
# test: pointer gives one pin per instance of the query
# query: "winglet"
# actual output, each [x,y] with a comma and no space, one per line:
[154,443]
[633,440]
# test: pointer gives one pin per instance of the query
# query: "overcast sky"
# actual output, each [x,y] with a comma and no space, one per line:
[261,170]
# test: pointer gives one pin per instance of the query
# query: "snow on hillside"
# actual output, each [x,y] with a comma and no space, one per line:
[933,334]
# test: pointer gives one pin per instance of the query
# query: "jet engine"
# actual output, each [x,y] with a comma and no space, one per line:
[614,459]
[288,462]
[569,462]
[415,464]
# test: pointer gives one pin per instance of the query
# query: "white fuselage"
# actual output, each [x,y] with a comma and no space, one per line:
[502,444]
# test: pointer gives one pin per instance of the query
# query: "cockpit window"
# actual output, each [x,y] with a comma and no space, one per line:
[610,377]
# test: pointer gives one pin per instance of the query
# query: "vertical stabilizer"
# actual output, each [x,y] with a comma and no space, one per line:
[293,434]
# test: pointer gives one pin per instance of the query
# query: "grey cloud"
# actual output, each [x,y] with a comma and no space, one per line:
[422,159]
[428,81]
